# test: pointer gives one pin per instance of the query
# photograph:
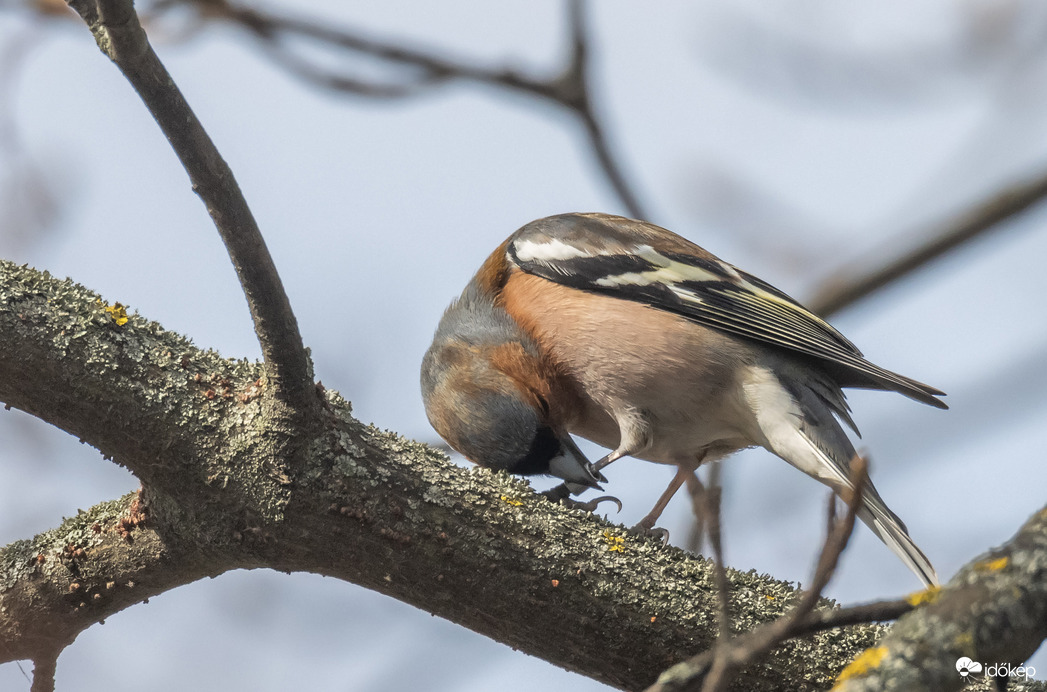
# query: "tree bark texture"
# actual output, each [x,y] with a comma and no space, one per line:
[367,506]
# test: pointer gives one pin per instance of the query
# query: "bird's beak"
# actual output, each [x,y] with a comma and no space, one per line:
[572,466]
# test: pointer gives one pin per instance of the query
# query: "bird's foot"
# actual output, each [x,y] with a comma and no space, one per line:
[561,494]
[592,504]
[647,529]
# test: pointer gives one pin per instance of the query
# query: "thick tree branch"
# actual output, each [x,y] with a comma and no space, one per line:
[65,580]
[366,506]
[120,36]
[66,358]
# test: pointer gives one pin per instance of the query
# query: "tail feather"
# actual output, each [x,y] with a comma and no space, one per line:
[891,531]
[798,425]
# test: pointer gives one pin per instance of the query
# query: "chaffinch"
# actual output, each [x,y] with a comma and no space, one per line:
[633,337]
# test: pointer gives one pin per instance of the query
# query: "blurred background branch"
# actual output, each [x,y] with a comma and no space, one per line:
[850,284]
[417,70]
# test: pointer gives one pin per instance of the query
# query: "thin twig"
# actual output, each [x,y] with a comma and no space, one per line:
[841,291]
[993,607]
[270,26]
[575,94]
[712,518]
[610,167]
[820,620]
[326,79]
[720,669]
[714,668]
[120,36]
[570,88]
[695,489]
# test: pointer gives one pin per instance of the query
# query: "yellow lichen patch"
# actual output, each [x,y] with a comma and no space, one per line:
[992,565]
[118,312]
[964,641]
[928,595]
[866,661]
[769,597]
[615,544]
[510,501]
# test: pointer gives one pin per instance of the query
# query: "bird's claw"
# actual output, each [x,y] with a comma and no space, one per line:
[645,530]
[591,505]
[561,494]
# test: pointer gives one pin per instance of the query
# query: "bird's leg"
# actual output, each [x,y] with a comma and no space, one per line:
[562,493]
[635,437]
[609,459]
[646,526]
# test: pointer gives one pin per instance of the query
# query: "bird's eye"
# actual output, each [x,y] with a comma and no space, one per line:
[544,406]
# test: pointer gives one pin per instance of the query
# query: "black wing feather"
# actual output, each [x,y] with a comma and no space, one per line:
[696,286]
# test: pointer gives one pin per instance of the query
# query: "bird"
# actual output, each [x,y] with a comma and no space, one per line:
[631,336]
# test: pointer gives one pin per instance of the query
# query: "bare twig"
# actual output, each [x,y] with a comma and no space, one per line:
[575,94]
[711,518]
[719,673]
[696,535]
[120,36]
[272,27]
[855,283]
[569,89]
[714,668]
[326,79]
[820,620]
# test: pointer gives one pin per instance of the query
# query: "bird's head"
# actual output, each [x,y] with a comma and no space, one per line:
[487,393]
